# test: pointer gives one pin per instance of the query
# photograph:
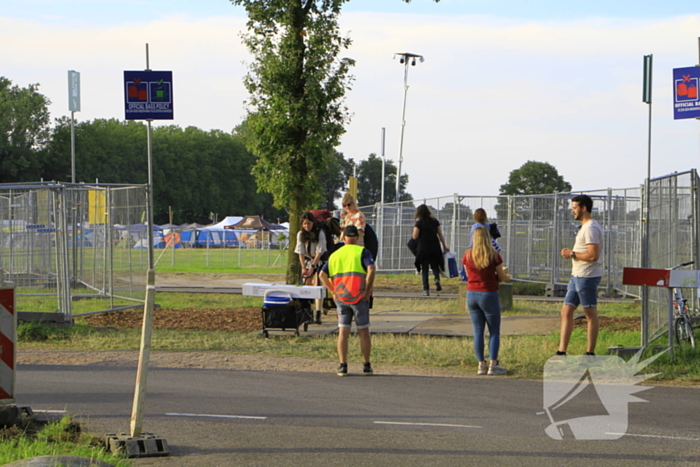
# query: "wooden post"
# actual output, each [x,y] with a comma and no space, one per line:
[142,372]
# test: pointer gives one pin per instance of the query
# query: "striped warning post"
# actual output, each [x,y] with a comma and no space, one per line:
[8,333]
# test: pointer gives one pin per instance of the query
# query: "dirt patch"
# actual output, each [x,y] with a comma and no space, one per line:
[626,324]
[214,319]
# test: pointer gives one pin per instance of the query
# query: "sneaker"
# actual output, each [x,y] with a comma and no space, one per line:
[483,368]
[560,353]
[318,317]
[590,354]
[426,293]
[438,286]
[367,369]
[342,369]
[496,370]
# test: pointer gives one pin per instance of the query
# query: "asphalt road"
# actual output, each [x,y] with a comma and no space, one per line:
[265,418]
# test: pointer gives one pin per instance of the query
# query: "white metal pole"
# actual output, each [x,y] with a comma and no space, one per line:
[381,221]
[403,127]
[383,168]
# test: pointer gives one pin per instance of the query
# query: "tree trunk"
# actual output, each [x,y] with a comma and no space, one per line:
[293,267]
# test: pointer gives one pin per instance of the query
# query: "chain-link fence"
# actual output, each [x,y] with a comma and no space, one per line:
[534,229]
[672,238]
[179,250]
[64,243]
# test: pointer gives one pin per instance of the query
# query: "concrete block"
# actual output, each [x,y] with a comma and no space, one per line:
[146,445]
[555,290]
[10,415]
[626,352]
[505,296]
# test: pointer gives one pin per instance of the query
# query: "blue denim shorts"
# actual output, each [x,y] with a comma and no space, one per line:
[346,312]
[582,291]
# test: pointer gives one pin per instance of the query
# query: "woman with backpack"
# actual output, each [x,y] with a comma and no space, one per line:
[480,220]
[311,246]
[428,233]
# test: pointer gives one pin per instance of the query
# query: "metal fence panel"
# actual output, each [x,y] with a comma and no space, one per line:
[672,240]
[60,243]
[534,229]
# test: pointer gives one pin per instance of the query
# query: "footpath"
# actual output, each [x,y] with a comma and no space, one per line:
[391,321]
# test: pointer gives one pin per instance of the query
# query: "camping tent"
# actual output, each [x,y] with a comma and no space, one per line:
[225,223]
[257,230]
[201,238]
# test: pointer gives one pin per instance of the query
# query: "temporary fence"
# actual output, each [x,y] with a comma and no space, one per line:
[219,250]
[63,242]
[671,238]
[534,229]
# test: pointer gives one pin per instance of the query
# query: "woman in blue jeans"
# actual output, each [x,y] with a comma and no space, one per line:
[484,271]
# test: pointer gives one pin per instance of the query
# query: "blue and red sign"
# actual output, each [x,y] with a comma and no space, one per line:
[686,83]
[148,95]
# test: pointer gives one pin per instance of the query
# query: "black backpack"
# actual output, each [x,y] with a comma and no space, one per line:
[371,241]
[330,228]
[493,230]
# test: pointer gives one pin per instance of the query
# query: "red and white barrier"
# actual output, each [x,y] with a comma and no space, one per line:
[8,337]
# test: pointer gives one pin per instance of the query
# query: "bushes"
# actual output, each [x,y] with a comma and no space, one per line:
[528,288]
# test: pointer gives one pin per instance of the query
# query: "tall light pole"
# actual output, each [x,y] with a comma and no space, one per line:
[404,58]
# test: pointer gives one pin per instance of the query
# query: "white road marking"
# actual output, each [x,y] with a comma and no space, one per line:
[427,424]
[214,416]
[655,436]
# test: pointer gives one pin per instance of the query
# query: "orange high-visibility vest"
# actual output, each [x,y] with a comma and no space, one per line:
[347,273]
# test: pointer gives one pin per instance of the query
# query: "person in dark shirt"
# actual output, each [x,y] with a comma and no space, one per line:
[428,233]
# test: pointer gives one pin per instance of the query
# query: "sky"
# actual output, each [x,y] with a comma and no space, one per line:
[502,83]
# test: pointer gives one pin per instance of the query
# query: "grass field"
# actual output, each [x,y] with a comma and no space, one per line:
[523,355]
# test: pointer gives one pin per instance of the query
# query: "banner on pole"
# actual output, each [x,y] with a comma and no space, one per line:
[686,103]
[646,87]
[148,95]
[73,91]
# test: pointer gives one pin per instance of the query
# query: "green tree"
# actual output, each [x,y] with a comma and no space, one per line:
[369,182]
[296,113]
[464,213]
[532,178]
[535,178]
[24,130]
[195,172]
[334,180]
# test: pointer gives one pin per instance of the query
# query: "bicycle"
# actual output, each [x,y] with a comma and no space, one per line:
[682,322]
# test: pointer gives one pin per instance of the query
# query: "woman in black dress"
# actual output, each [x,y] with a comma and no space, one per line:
[428,233]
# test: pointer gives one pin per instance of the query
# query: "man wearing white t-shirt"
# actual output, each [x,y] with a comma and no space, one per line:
[586,273]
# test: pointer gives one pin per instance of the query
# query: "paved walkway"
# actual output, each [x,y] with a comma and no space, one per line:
[393,322]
